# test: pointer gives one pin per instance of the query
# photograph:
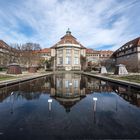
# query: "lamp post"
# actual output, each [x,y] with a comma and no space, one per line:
[49,101]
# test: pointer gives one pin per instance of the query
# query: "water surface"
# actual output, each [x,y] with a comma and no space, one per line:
[26,114]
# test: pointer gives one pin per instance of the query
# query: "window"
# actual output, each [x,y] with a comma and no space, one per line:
[67,82]
[59,83]
[60,60]
[76,52]
[130,45]
[68,51]
[68,60]
[75,83]
[76,60]
[60,52]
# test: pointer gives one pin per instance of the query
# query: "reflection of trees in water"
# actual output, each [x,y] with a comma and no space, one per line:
[6,91]
[34,88]
[28,90]
[30,95]
[129,94]
[97,85]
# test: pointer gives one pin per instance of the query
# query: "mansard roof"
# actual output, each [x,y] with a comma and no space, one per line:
[135,42]
[130,44]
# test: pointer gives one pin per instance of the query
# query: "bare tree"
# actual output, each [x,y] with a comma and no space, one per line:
[28,53]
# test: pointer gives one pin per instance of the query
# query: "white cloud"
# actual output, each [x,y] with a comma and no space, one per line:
[93,23]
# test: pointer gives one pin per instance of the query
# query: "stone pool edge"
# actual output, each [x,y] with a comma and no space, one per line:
[118,81]
[21,80]
[24,79]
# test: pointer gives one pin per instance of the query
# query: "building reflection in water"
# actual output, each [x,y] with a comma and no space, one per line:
[68,89]
[129,94]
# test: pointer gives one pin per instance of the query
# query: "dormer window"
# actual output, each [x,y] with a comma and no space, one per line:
[130,45]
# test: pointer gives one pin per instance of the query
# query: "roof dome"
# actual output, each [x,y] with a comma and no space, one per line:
[68,32]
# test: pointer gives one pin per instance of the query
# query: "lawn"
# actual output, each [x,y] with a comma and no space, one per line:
[6,77]
[131,78]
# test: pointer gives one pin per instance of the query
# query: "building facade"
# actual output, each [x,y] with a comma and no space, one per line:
[7,54]
[67,53]
[105,54]
[45,53]
[129,55]
[94,55]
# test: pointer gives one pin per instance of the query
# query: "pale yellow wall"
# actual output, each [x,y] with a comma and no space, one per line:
[52,52]
[81,52]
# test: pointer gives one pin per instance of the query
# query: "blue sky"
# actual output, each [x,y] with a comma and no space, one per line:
[97,24]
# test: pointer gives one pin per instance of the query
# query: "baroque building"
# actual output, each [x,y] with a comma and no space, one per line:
[67,53]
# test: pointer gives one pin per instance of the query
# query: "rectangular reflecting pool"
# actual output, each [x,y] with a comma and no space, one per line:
[69,106]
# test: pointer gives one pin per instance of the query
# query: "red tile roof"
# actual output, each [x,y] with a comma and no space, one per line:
[106,52]
[89,51]
[45,50]
[68,38]
[4,45]
[99,52]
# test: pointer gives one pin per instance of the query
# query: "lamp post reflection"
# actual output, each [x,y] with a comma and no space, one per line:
[12,106]
[94,99]
[50,102]
[94,109]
